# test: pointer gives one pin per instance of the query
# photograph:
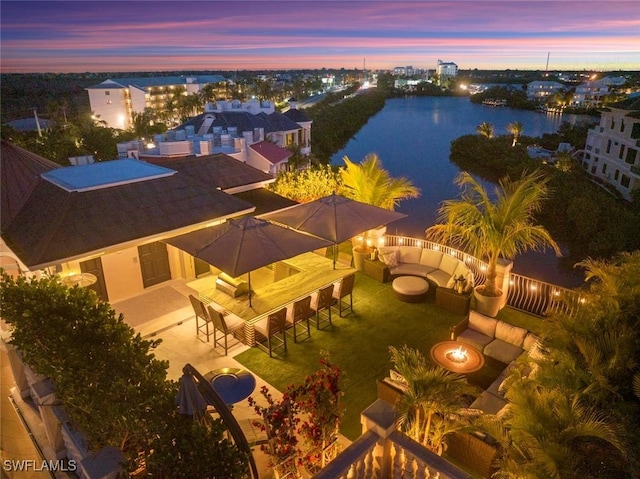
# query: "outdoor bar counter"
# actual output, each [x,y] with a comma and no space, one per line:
[301,275]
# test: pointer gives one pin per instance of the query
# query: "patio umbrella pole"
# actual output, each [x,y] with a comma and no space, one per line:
[249,277]
[334,247]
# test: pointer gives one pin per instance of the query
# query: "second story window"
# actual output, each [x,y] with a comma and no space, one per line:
[625,181]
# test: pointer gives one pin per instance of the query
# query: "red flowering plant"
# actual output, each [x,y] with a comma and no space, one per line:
[280,419]
[319,400]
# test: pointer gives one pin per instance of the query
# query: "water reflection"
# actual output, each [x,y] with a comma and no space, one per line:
[413,136]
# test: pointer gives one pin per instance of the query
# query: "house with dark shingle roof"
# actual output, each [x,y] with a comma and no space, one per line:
[233,129]
[109,218]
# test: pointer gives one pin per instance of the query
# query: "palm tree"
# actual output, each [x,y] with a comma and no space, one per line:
[369,183]
[208,94]
[490,228]
[602,341]
[545,431]
[142,123]
[485,129]
[515,128]
[431,407]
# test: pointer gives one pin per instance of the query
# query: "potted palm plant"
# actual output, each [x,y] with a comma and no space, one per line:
[368,182]
[492,227]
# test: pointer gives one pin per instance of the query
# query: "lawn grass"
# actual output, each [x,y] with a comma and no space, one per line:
[359,345]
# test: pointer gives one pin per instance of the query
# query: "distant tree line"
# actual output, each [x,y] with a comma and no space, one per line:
[335,123]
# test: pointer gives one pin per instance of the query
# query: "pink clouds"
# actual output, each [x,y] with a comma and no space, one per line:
[104,36]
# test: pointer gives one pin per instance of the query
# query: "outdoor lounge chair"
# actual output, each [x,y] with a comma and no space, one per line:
[226,324]
[298,315]
[272,328]
[341,290]
[321,302]
[203,320]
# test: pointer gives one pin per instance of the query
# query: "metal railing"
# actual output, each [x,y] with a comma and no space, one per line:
[540,298]
[525,294]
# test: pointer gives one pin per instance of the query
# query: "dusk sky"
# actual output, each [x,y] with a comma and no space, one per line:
[83,36]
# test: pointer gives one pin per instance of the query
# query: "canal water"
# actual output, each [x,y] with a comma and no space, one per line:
[412,137]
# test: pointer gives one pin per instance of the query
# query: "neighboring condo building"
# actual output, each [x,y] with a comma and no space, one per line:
[541,90]
[446,69]
[114,101]
[611,152]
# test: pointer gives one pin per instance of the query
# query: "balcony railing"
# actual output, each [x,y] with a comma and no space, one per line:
[540,298]
[382,452]
[525,294]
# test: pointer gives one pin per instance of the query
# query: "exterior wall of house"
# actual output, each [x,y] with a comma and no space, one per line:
[612,151]
[122,274]
[540,90]
[139,99]
[305,138]
[258,161]
[110,105]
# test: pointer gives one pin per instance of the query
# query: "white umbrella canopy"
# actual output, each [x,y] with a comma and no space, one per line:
[243,245]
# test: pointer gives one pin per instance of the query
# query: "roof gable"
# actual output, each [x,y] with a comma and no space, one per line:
[297,116]
[220,171]
[19,173]
[272,153]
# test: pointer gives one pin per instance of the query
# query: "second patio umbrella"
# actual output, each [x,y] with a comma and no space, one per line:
[334,218]
[240,246]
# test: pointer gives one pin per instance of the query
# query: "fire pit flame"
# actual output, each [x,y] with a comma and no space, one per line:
[458,355]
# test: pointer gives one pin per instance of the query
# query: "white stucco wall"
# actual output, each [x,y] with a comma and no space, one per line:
[110,107]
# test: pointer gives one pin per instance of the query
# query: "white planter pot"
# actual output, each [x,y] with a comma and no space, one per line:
[488,305]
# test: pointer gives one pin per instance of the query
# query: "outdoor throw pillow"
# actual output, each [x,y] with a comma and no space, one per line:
[390,259]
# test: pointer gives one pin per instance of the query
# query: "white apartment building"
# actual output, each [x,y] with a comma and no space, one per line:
[540,90]
[114,101]
[405,71]
[611,152]
[590,94]
[446,69]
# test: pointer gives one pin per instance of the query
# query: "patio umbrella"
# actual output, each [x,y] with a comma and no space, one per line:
[240,246]
[334,218]
[189,400]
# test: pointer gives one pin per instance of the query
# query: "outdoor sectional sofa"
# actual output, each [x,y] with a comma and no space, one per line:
[498,340]
[436,267]
[495,339]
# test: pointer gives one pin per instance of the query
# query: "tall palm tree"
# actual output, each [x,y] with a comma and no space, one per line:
[369,183]
[515,128]
[490,228]
[431,407]
[485,129]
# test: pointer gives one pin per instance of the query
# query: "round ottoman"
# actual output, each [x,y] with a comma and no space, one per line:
[410,289]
